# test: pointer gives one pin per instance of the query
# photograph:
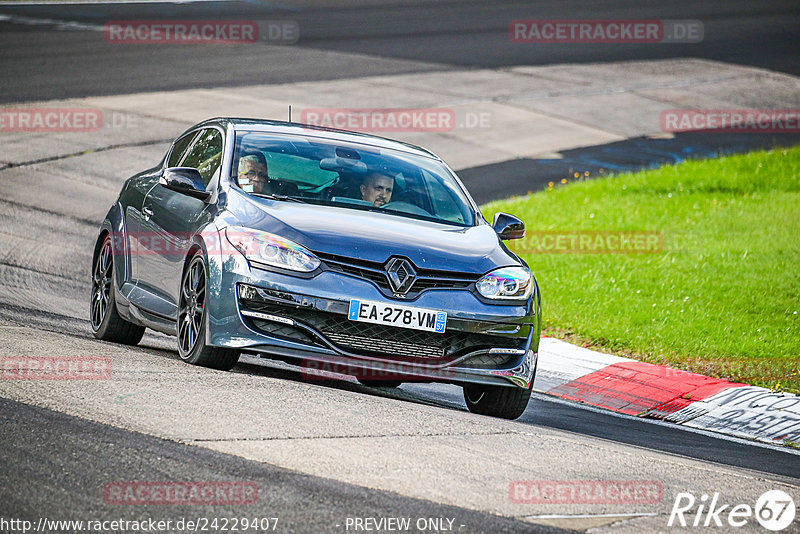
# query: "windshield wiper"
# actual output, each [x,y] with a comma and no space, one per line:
[285,198]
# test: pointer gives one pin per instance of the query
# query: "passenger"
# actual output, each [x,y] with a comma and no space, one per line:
[253,177]
[377,188]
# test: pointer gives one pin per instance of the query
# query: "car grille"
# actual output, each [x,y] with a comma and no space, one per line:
[375,272]
[371,344]
[382,341]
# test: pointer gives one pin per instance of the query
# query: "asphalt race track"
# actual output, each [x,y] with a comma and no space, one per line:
[43,54]
[320,452]
[301,502]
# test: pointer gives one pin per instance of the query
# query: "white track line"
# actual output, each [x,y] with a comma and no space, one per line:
[587,516]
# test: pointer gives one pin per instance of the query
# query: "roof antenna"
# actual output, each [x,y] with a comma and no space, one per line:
[290,113]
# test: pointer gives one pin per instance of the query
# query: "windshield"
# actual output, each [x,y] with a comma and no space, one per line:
[351,176]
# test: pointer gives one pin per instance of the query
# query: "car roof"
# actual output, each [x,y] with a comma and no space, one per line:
[272,126]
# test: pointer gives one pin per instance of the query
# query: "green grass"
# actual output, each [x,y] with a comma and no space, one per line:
[721,298]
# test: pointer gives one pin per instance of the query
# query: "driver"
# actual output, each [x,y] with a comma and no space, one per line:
[377,189]
[253,173]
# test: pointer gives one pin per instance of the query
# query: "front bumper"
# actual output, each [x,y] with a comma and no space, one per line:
[305,319]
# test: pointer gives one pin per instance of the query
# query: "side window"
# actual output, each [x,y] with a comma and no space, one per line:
[206,154]
[180,147]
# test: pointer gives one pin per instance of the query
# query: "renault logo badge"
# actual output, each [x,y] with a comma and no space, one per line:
[401,275]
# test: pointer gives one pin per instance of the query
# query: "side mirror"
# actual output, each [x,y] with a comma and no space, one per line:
[508,227]
[186,180]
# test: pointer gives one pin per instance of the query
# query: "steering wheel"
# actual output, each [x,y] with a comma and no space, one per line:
[406,207]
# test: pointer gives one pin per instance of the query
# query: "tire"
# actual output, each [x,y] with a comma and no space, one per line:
[497,401]
[191,325]
[106,322]
[380,383]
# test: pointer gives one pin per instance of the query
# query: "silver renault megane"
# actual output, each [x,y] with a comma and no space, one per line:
[334,250]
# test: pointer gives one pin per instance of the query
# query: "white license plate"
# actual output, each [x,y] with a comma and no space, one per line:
[367,311]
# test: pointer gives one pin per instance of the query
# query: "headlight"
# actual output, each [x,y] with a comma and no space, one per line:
[271,250]
[506,284]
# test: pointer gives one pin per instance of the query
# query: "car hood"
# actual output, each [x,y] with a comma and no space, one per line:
[375,236]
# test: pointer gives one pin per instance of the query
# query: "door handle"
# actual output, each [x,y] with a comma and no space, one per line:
[147,212]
